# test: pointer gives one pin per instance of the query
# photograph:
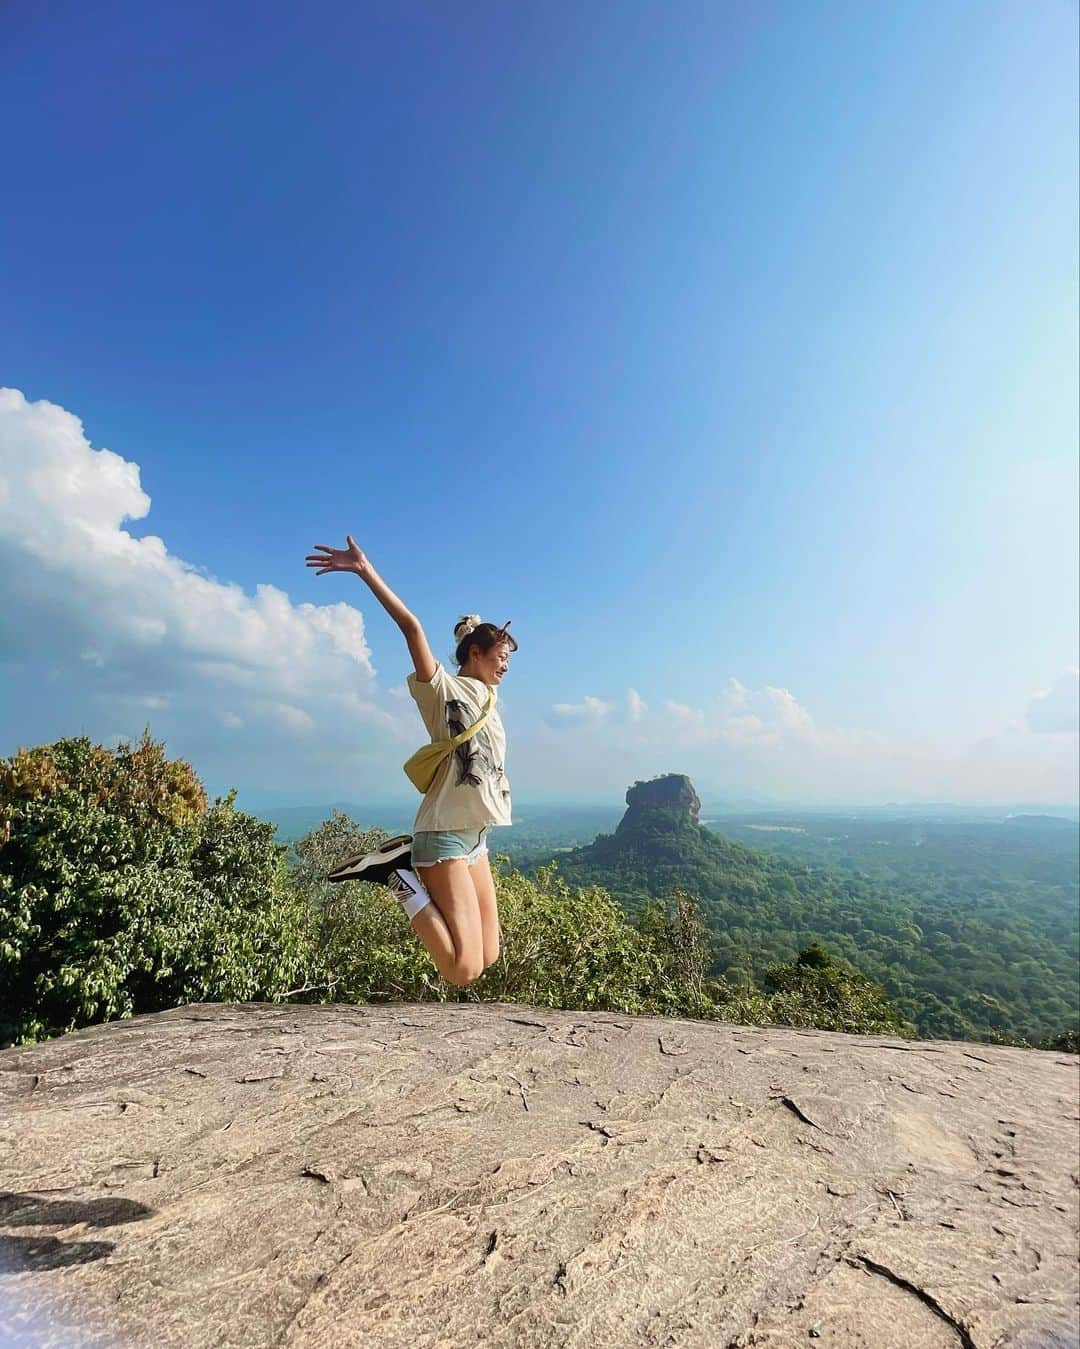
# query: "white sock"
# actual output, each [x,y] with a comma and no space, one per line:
[408,890]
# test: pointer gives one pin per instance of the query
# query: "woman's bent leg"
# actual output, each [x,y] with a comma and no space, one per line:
[484,883]
[430,926]
[454,895]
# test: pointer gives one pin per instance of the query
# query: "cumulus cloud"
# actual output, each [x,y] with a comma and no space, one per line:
[768,714]
[683,713]
[741,715]
[113,623]
[588,710]
[102,632]
[765,739]
[1057,709]
[737,715]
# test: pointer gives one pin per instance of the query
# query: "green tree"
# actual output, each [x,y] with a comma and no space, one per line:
[122,891]
[561,946]
[817,989]
[1068,1042]
[675,928]
[362,947]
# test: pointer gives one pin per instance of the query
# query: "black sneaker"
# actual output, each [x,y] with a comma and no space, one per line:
[376,866]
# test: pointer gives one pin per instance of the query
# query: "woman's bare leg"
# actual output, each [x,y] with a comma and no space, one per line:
[484,883]
[454,895]
[430,926]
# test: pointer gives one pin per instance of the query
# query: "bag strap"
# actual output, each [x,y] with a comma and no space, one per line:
[472,730]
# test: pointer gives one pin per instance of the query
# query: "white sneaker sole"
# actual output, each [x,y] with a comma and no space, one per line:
[377,865]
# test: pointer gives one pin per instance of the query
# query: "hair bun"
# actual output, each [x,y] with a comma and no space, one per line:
[466,625]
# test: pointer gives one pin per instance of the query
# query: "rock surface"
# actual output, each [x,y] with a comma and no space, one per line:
[673,791]
[464,1173]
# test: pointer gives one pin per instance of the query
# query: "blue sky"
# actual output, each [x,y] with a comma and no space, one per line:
[730,350]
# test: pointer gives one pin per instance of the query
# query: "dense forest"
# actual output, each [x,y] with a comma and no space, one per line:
[969,919]
[124,890]
[972,930]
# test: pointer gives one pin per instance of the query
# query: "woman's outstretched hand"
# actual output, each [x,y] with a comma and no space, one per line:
[339,559]
[352,559]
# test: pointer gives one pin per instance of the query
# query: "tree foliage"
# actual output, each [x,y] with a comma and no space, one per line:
[962,958]
[1068,1042]
[816,989]
[122,891]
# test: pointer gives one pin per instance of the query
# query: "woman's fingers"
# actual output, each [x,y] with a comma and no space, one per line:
[339,559]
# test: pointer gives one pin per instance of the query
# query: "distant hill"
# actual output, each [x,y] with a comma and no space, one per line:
[659,843]
[538,828]
[1053,824]
[293,822]
[973,950]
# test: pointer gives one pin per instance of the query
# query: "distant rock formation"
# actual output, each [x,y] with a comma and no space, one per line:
[673,792]
[408,1175]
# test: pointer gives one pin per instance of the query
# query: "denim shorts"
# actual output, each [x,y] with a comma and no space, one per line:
[440,845]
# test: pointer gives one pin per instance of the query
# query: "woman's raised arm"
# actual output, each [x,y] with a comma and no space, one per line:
[354,560]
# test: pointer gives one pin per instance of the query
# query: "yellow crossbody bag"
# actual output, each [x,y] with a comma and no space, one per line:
[422,766]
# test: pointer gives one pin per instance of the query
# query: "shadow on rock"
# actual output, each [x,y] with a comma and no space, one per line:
[18,1253]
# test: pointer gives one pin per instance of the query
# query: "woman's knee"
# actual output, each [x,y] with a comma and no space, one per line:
[465,971]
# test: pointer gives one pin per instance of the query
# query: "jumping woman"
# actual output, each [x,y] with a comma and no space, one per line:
[453,911]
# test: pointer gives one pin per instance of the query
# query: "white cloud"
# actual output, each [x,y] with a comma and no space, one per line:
[588,710]
[741,715]
[67,555]
[768,714]
[293,719]
[101,630]
[682,713]
[737,715]
[1058,709]
[96,623]
[745,741]
[155,702]
[736,694]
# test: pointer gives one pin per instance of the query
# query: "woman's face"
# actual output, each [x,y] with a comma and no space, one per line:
[490,666]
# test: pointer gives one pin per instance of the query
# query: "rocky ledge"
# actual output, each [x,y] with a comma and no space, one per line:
[454,1174]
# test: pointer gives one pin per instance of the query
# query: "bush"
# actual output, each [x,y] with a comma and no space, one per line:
[567,947]
[122,891]
[362,947]
[1068,1042]
[817,989]
[571,948]
[675,929]
[558,948]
